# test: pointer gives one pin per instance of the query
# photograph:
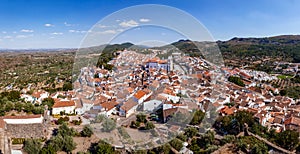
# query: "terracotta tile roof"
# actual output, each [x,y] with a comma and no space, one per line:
[169,112]
[271,120]
[292,120]
[130,89]
[162,61]
[228,111]
[37,94]
[128,105]
[2,122]
[147,91]
[97,80]
[252,110]
[139,94]
[63,103]
[109,105]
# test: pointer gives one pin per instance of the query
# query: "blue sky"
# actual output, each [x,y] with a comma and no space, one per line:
[65,23]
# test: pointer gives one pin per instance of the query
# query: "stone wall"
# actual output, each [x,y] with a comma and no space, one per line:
[26,130]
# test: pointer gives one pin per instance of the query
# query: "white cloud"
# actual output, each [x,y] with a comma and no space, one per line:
[68,24]
[109,32]
[24,36]
[102,26]
[144,20]
[21,36]
[7,37]
[14,32]
[27,30]
[4,32]
[130,23]
[118,20]
[57,33]
[77,31]
[49,25]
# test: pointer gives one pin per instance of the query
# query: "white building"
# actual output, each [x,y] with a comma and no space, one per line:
[152,105]
[63,105]
[31,119]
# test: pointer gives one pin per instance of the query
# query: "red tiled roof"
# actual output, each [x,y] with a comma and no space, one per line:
[64,103]
[227,110]
[292,120]
[109,105]
[128,105]
[130,89]
[139,94]
[37,94]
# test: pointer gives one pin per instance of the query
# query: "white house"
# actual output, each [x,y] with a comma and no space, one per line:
[63,105]
[29,119]
[128,108]
[141,95]
[108,108]
[28,98]
[83,106]
[152,105]
[172,98]
[40,96]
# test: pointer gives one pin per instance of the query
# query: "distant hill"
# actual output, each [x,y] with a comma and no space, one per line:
[285,48]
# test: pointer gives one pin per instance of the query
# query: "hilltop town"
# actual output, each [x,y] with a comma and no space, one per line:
[149,100]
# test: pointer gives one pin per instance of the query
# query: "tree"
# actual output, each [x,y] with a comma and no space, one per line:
[228,139]
[28,107]
[63,141]
[99,118]
[104,148]
[49,102]
[56,142]
[149,125]
[108,125]
[194,146]
[259,149]
[13,95]
[176,143]
[32,146]
[47,150]
[67,86]
[208,138]
[182,137]
[244,117]
[87,131]
[69,144]
[288,139]
[134,124]
[141,117]
[62,120]
[190,131]
[283,92]
[236,80]
[197,118]
[250,143]
[9,106]
[18,106]
[64,130]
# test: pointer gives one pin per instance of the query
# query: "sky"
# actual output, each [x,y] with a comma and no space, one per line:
[27,24]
